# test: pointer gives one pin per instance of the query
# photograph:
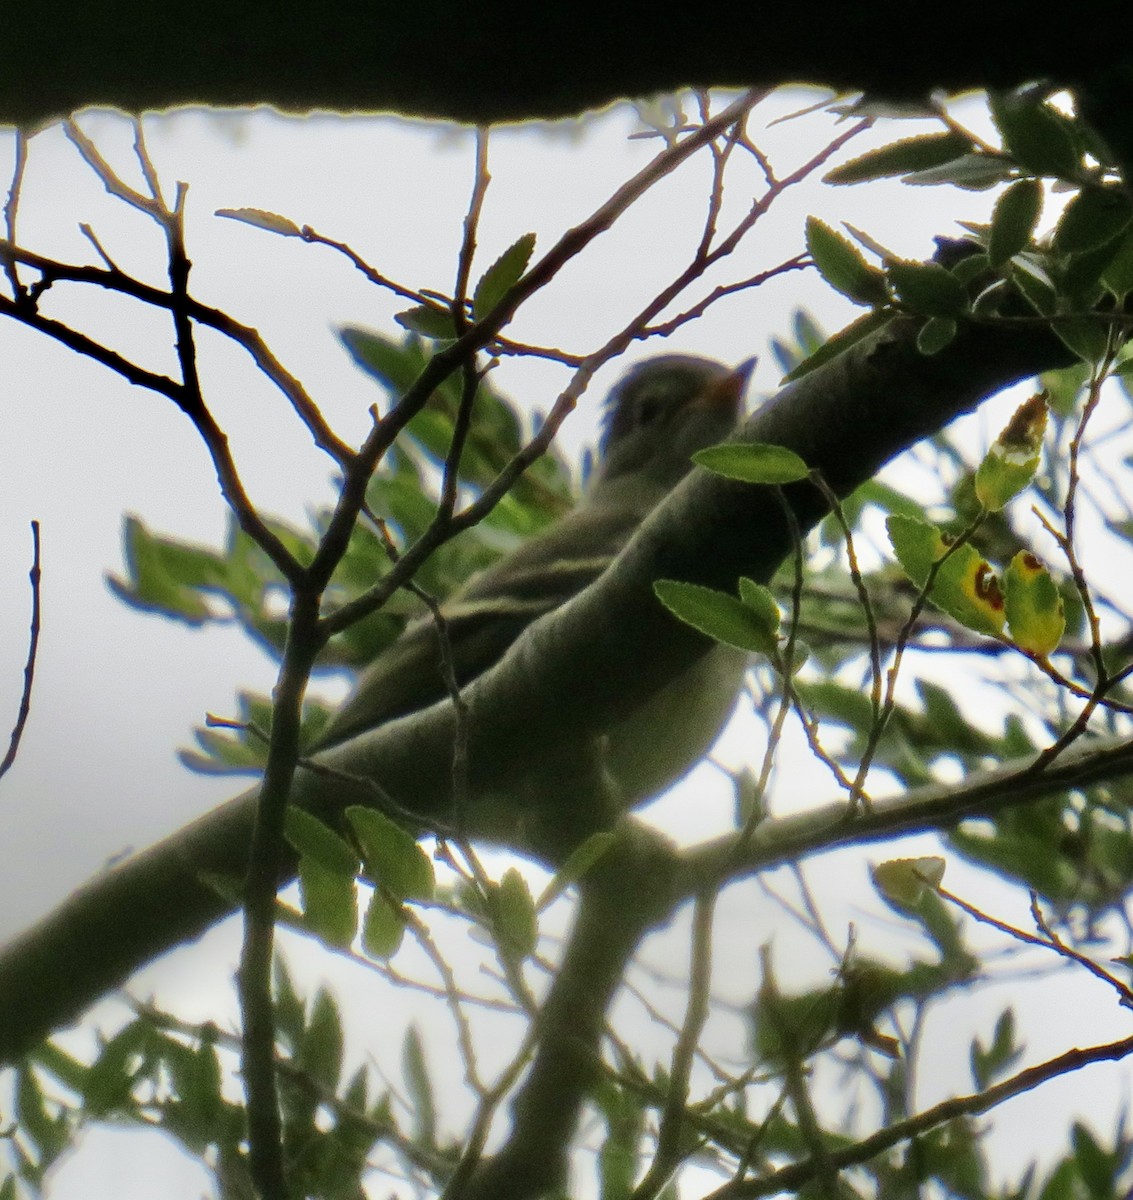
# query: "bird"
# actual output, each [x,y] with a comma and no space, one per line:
[657,416]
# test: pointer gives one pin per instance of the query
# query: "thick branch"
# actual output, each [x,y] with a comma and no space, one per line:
[935,806]
[646,883]
[580,669]
[498,60]
[627,892]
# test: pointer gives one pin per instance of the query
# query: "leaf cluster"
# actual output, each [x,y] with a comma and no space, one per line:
[1077,275]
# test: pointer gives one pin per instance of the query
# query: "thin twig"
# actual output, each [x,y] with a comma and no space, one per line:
[1048,942]
[11,208]
[859,586]
[791,1178]
[248,338]
[24,711]
[878,726]
[111,181]
[451,358]
[669,1153]
[481,179]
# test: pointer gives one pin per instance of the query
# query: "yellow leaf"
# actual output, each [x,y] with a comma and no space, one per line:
[1033,605]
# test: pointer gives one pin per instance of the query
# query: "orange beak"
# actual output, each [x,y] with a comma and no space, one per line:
[726,394]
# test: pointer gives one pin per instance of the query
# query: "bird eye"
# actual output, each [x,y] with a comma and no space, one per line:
[648,411]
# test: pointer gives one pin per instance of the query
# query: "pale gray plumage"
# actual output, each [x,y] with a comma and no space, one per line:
[658,415]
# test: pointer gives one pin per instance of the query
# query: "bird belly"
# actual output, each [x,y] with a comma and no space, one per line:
[669,734]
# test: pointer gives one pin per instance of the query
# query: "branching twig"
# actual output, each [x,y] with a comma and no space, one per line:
[792,1178]
[1050,940]
[669,1153]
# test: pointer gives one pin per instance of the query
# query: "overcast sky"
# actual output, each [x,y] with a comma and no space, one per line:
[117,692]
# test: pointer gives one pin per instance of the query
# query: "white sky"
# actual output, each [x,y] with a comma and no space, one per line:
[117,692]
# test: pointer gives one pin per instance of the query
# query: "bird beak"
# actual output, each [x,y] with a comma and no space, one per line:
[726,395]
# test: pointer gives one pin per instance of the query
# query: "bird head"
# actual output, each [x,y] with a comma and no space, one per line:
[665,409]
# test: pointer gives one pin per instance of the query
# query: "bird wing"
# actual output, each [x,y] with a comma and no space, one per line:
[483,618]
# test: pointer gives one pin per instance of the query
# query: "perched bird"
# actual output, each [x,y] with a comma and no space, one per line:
[660,413]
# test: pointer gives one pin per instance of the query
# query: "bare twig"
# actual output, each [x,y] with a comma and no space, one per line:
[34,575]
[860,588]
[1049,940]
[249,339]
[11,209]
[792,1178]
[669,1153]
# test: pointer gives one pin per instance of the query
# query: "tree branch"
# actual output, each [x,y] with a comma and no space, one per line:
[498,61]
[582,668]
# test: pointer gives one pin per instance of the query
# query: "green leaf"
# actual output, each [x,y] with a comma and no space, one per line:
[1013,221]
[383,927]
[1063,388]
[430,321]
[808,337]
[1081,276]
[997,1059]
[357,1091]
[841,341]
[927,288]
[964,584]
[320,1054]
[49,1134]
[753,462]
[314,840]
[945,720]
[1035,284]
[917,545]
[391,855]
[420,1089]
[901,158]
[1035,613]
[1086,337]
[108,1083]
[578,862]
[65,1067]
[262,219]
[1118,275]
[197,1083]
[1013,459]
[330,903]
[1063,1183]
[722,617]
[290,1018]
[761,600]
[503,274]
[1096,1166]
[164,575]
[842,265]
[968,589]
[619,1156]
[974,265]
[223,753]
[952,1153]
[393,363]
[903,881]
[1036,136]
[225,750]
[513,916]
[1095,217]
[935,334]
[975,172]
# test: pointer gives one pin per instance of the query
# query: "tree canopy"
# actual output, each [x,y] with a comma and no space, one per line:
[763,547]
